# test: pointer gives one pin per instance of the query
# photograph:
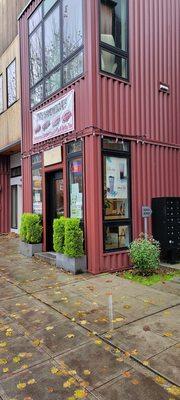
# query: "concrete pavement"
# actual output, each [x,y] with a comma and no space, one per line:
[65,337]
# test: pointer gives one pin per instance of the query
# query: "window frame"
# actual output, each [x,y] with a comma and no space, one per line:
[113,49]
[14,187]
[36,166]
[70,157]
[1,78]
[123,221]
[7,92]
[63,62]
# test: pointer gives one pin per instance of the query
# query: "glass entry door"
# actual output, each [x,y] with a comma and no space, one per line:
[54,203]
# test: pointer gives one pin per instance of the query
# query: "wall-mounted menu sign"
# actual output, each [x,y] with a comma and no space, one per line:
[54,119]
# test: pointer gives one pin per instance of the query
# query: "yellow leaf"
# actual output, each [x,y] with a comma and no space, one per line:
[134,352]
[98,342]
[119,359]
[49,328]
[54,370]
[70,336]
[3,344]
[5,370]
[69,383]
[168,334]
[16,359]
[21,385]
[71,398]
[83,322]
[108,336]
[174,390]
[160,380]
[80,394]
[37,342]
[72,372]
[146,363]
[3,361]
[25,366]
[86,372]
[31,382]
[127,306]
[119,319]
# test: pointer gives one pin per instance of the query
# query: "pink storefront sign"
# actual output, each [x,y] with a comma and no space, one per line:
[54,119]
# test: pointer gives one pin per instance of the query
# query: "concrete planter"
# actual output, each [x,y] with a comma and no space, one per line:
[28,250]
[71,264]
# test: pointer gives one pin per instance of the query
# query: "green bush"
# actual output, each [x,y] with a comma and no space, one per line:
[58,234]
[73,243]
[145,255]
[31,228]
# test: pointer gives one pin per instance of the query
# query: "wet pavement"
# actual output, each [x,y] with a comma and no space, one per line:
[65,337]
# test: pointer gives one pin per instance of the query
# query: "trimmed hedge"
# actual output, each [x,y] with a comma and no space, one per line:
[73,243]
[31,228]
[58,234]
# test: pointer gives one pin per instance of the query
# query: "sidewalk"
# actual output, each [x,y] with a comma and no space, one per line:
[65,337]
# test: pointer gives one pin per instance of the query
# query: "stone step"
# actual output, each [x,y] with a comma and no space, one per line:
[48,257]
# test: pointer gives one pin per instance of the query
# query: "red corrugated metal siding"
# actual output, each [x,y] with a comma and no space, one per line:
[139,108]
[4,195]
[27,184]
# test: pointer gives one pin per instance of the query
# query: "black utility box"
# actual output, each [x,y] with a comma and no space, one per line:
[166,226]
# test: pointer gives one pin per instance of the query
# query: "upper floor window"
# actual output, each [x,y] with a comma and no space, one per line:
[114,37]
[11,84]
[1,93]
[55,47]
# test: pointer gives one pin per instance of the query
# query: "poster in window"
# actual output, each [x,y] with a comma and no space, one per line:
[116,178]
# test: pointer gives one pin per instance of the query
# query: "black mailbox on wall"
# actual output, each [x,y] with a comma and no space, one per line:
[166,226]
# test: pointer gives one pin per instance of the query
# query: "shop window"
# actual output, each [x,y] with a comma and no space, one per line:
[11,83]
[14,207]
[55,47]
[15,172]
[37,183]
[114,37]
[116,208]
[75,177]
[1,94]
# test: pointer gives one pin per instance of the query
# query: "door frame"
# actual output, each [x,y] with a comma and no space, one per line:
[17,181]
[45,171]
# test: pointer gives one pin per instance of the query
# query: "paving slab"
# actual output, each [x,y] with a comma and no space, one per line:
[62,337]
[42,383]
[94,362]
[134,387]
[30,313]
[64,301]
[19,354]
[168,287]
[100,320]
[158,298]
[167,363]
[9,291]
[145,343]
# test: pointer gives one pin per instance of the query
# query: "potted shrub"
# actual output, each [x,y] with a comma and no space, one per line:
[68,244]
[145,255]
[30,234]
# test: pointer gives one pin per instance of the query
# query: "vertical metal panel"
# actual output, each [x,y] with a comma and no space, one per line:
[138,108]
[4,194]
[27,184]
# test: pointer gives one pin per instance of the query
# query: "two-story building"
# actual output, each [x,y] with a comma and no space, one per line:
[100,123]
[10,118]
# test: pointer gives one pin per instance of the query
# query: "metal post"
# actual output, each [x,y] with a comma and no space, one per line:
[145,228]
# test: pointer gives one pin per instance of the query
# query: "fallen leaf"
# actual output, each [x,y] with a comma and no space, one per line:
[119,319]
[28,398]
[69,383]
[21,385]
[37,342]
[134,352]
[174,390]
[50,390]
[83,322]
[70,336]
[49,328]
[3,344]
[108,336]
[3,361]
[86,372]
[135,382]
[54,370]
[72,372]
[126,374]
[168,334]
[80,394]
[127,306]
[5,370]
[146,363]
[98,342]
[160,380]
[146,328]
[31,382]
[16,359]
[119,359]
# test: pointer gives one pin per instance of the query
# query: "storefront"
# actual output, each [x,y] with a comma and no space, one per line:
[91,148]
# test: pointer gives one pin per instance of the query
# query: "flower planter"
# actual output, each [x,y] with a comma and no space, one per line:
[71,264]
[28,250]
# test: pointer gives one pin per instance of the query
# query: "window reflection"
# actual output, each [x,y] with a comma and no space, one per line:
[52,40]
[11,83]
[72,26]
[36,56]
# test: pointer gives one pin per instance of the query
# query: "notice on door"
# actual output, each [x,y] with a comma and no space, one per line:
[54,119]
